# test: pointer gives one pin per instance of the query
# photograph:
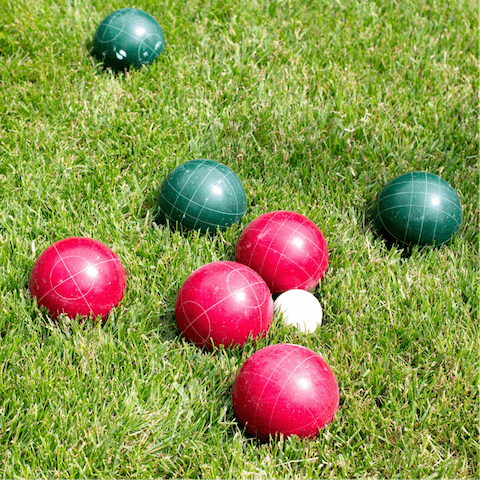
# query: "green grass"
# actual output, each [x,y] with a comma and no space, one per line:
[315,104]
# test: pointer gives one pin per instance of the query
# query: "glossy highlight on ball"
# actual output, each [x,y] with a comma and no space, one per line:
[418,208]
[128,37]
[78,277]
[202,195]
[285,389]
[286,249]
[223,303]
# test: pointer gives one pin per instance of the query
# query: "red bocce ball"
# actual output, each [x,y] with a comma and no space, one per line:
[78,276]
[285,389]
[223,303]
[286,249]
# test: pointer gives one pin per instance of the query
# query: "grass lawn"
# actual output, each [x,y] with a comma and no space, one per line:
[316,105]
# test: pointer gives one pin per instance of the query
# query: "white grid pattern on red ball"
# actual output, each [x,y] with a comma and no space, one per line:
[72,275]
[268,380]
[249,286]
[272,244]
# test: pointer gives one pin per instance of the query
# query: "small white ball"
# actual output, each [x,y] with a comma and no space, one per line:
[300,308]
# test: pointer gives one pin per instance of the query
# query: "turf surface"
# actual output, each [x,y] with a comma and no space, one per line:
[315,105]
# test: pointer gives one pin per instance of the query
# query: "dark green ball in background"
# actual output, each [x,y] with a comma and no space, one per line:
[128,37]
[418,208]
[203,195]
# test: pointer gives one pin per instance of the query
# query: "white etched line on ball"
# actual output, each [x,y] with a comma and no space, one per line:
[238,182]
[192,217]
[120,30]
[276,223]
[202,207]
[383,223]
[314,420]
[291,352]
[198,186]
[282,387]
[286,244]
[259,229]
[271,249]
[113,27]
[180,193]
[71,277]
[191,324]
[384,196]
[409,209]
[74,275]
[438,211]
[295,230]
[220,169]
[259,304]
[415,205]
[206,310]
[193,202]
[147,47]
[257,370]
[248,286]
[425,196]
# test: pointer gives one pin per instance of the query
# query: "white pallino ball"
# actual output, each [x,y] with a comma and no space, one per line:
[301,309]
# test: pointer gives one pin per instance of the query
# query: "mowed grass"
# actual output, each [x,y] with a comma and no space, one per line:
[316,105]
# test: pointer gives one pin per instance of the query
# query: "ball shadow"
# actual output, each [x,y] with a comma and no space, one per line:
[107,68]
[167,326]
[103,65]
[372,224]
[161,220]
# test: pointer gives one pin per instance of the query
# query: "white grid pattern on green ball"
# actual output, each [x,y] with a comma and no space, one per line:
[190,198]
[409,179]
[107,23]
[142,57]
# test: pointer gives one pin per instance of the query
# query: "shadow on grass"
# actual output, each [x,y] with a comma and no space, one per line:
[160,219]
[151,208]
[371,224]
[167,325]
[100,65]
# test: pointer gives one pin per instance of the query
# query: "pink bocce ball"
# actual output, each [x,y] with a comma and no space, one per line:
[78,276]
[285,389]
[286,249]
[223,303]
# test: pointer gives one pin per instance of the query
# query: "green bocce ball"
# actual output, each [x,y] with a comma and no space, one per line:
[128,37]
[202,195]
[418,208]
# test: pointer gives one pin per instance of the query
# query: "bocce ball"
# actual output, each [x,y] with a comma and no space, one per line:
[418,208]
[128,37]
[223,303]
[285,389]
[286,248]
[299,308]
[78,276]
[203,194]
